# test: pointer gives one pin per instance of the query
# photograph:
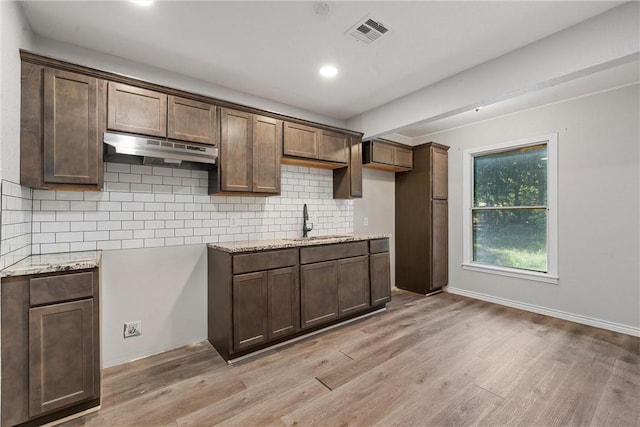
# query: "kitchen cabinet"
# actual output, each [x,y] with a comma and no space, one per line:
[50,346]
[387,155]
[347,181]
[380,264]
[334,281]
[264,290]
[250,151]
[136,110]
[422,221]
[258,298]
[62,115]
[353,284]
[307,145]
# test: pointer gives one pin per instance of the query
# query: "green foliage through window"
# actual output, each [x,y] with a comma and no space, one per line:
[510,208]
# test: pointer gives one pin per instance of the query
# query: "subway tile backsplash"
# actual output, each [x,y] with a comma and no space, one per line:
[15,232]
[144,206]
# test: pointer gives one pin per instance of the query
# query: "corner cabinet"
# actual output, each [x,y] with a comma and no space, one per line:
[422,248]
[50,346]
[250,151]
[257,299]
[61,123]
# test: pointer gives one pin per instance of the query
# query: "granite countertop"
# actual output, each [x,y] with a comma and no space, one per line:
[51,263]
[262,245]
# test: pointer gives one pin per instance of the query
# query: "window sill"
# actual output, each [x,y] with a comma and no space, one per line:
[512,272]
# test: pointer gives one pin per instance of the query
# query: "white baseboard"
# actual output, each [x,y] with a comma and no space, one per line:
[585,320]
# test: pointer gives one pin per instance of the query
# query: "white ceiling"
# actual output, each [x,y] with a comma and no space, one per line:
[274,49]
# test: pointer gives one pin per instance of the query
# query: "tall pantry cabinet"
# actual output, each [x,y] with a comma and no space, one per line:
[422,221]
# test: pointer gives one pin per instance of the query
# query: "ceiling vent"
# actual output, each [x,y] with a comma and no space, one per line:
[368,30]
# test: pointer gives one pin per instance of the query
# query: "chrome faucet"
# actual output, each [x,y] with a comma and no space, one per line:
[305,217]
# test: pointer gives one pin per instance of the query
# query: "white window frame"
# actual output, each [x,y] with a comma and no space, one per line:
[551,276]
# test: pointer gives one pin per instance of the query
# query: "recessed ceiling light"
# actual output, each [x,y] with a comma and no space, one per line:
[142,2]
[328,71]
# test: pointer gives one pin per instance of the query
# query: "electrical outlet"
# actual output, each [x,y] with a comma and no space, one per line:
[132,329]
[336,218]
[233,222]
[366,221]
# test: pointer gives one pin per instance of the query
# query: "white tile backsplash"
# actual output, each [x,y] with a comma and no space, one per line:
[15,219]
[145,206]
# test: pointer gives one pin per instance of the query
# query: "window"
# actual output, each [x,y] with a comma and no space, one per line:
[510,209]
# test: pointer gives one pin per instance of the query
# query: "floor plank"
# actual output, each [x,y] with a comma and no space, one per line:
[439,360]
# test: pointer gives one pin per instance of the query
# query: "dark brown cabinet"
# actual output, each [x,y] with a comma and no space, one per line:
[147,112]
[257,299]
[353,284]
[422,221]
[264,291]
[136,110]
[319,293]
[334,281]
[379,267]
[190,120]
[314,146]
[62,114]
[387,155]
[250,154]
[347,181]
[50,346]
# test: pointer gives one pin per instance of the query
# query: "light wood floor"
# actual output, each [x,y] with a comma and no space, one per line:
[439,360]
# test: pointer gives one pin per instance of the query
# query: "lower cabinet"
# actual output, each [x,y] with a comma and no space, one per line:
[50,346]
[265,306]
[260,298]
[380,270]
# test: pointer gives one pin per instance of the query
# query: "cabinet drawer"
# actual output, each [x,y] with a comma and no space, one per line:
[378,246]
[51,289]
[331,252]
[264,260]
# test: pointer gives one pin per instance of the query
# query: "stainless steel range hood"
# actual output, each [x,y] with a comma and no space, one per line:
[159,152]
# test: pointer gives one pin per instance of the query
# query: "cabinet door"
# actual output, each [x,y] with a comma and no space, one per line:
[132,109]
[236,158]
[319,293]
[72,144]
[284,302]
[61,345]
[191,121]
[267,143]
[353,284]
[403,157]
[382,153]
[440,257]
[380,278]
[333,147]
[355,167]
[300,140]
[439,176]
[249,307]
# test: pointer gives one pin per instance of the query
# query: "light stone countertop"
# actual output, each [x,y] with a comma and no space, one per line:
[296,242]
[51,263]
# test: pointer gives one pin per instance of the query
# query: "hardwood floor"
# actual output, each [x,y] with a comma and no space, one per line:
[439,360]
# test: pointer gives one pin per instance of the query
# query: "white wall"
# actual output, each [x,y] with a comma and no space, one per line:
[599,193]
[15,34]
[166,288]
[378,206]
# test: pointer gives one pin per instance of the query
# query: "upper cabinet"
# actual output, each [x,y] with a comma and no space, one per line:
[249,160]
[347,182]
[306,145]
[61,122]
[136,110]
[387,155]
